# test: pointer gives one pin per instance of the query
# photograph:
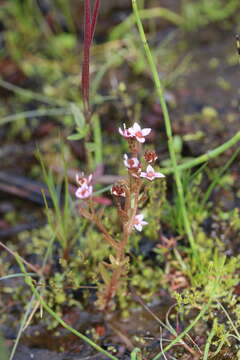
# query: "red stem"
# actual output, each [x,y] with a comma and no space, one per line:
[86,54]
[94,17]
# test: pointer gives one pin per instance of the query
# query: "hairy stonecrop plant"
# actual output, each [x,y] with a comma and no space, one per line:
[130,194]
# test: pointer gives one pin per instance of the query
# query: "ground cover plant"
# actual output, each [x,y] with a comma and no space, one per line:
[120,186]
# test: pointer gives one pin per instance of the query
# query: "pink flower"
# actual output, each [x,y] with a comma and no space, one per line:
[81,180]
[84,191]
[138,222]
[139,133]
[151,174]
[125,132]
[130,163]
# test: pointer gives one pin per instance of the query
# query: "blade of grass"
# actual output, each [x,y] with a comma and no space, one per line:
[219,176]
[209,341]
[29,265]
[22,325]
[30,304]
[103,190]
[31,94]
[11,276]
[207,156]
[230,320]
[34,113]
[35,292]
[160,93]
[180,336]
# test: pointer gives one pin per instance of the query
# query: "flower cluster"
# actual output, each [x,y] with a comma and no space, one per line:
[134,167]
[85,188]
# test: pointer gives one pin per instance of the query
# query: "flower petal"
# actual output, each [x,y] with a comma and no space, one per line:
[143,174]
[150,169]
[140,139]
[139,217]
[146,131]
[159,175]
[136,127]
[138,227]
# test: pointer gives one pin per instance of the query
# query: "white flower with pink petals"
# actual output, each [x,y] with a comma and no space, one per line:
[139,133]
[138,222]
[130,163]
[84,191]
[150,174]
[125,132]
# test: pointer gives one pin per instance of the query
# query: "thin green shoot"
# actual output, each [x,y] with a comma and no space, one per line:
[60,219]
[33,114]
[30,306]
[217,178]
[32,95]
[209,341]
[12,276]
[35,292]
[166,326]
[230,320]
[205,157]
[103,190]
[22,324]
[160,93]
[185,332]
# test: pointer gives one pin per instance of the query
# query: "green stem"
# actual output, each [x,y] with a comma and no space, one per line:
[209,341]
[29,282]
[31,95]
[167,121]
[186,331]
[206,157]
[218,178]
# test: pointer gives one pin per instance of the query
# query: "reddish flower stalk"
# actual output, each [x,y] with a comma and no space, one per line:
[89,29]
[128,194]
[94,17]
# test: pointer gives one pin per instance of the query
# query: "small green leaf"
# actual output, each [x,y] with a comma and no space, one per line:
[78,116]
[74,137]
[104,273]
